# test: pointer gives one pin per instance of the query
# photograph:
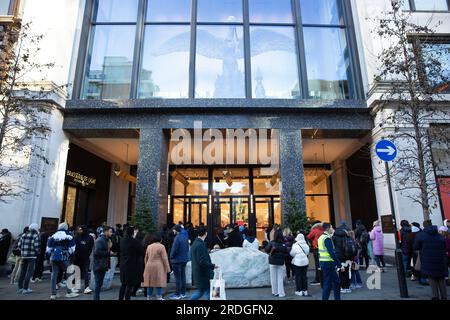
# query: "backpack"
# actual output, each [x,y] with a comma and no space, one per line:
[364,237]
[350,249]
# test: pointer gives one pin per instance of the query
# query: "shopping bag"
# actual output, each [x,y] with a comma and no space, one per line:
[217,286]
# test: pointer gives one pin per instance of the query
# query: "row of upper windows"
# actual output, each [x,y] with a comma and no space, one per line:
[426,5]
[226,58]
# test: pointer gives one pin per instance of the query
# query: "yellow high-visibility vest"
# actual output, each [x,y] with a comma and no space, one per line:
[324,255]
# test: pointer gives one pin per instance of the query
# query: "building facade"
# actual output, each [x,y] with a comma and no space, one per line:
[215,112]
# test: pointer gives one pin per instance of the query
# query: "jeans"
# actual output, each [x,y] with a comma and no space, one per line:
[289,269]
[330,281]
[150,292]
[39,270]
[364,257]
[316,265]
[301,279]
[276,279]
[200,293]
[84,270]
[179,271]
[58,268]
[16,271]
[406,262]
[380,261]
[26,272]
[98,276]
[125,292]
[356,278]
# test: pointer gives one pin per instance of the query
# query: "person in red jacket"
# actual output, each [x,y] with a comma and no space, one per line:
[313,237]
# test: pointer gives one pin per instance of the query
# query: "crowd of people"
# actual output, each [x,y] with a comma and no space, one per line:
[146,260]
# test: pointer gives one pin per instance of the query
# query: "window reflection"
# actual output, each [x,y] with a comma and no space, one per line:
[110,65]
[219,62]
[270,11]
[219,11]
[169,10]
[116,10]
[274,62]
[321,12]
[4,7]
[437,59]
[165,63]
[433,5]
[327,63]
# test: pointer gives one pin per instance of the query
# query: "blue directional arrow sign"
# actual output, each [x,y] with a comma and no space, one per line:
[386,150]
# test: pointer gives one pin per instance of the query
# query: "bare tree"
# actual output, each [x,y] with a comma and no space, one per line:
[24,110]
[412,77]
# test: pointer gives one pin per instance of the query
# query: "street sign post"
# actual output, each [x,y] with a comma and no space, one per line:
[387,151]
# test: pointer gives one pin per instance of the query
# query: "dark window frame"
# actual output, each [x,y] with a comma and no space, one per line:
[86,41]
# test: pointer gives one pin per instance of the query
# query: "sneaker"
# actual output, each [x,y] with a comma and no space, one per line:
[353,287]
[160,298]
[281,296]
[346,290]
[61,285]
[175,297]
[305,294]
[32,281]
[38,280]
[299,293]
[275,295]
[183,296]
[149,298]
[140,291]
[27,291]
[413,278]
[53,297]
[20,291]
[359,286]
[87,291]
[72,295]
[74,290]
[315,283]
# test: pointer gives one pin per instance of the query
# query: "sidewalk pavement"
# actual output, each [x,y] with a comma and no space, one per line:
[388,290]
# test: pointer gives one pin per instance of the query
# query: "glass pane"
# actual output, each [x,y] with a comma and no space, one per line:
[271,11]
[224,207]
[431,5]
[231,182]
[321,12]
[219,11]
[190,182]
[437,61]
[219,62]
[165,63]
[4,7]
[240,211]
[265,184]
[116,10]
[327,63]
[274,62]
[405,5]
[317,181]
[277,212]
[110,65]
[70,205]
[178,210]
[169,10]
[262,217]
[318,207]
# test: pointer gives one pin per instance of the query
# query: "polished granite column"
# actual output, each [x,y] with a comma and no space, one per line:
[153,171]
[291,168]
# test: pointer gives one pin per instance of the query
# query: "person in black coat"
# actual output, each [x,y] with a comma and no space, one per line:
[130,264]
[406,252]
[5,243]
[233,237]
[84,243]
[277,251]
[431,246]
[101,264]
[340,238]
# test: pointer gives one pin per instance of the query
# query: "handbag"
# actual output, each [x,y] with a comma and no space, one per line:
[217,287]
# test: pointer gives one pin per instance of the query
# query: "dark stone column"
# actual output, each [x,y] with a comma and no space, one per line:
[153,171]
[291,167]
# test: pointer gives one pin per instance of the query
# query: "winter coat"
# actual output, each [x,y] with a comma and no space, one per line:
[130,261]
[362,236]
[84,244]
[202,267]
[277,253]
[376,235]
[314,234]
[447,246]
[251,243]
[404,232]
[179,253]
[339,239]
[289,241]
[433,259]
[60,246]
[234,239]
[156,266]
[5,243]
[300,251]
[101,254]
[30,245]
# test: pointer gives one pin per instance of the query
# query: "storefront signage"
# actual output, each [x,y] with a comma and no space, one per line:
[387,224]
[49,225]
[80,179]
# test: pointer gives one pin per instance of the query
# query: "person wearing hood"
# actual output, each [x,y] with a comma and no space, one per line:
[431,246]
[377,237]
[277,251]
[233,237]
[362,238]
[60,247]
[130,253]
[300,262]
[313,237]
[84,243]
[410,239]
[340,238]
[250,241]
[179,257]
[29,245]
[406,253]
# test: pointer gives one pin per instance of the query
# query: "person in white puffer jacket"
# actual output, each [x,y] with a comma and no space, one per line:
[300,262]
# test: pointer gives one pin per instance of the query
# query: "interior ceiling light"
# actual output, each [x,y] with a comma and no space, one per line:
[228,178]
[123,174]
